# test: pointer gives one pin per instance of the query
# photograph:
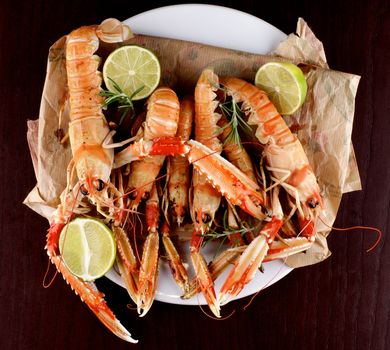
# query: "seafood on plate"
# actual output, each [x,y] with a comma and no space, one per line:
[266,205]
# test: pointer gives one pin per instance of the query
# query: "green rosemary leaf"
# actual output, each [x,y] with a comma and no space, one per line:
[123,115]
[233,114]
[123,100]
[136,92]
[115,84]
[226,232]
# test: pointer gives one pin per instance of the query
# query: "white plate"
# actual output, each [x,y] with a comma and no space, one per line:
[223,27]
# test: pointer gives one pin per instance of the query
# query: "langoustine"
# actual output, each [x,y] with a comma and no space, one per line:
[290,168]
[161,121]
[176,195]
[88,130]
[150,256]
[206,199]
[178,167]
[244,192]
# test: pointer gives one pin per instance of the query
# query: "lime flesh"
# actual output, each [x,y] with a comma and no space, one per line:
[88,248]
[285,85]
[133,68]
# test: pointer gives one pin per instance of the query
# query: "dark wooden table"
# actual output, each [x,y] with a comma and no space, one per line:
[341,303]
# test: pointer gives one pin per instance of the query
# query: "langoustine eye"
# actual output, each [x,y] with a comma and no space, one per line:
[312,203]
[99,185]
[146,196]
[83,190]
[133,194]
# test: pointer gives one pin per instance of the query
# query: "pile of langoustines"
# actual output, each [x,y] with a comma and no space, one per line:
[187,163]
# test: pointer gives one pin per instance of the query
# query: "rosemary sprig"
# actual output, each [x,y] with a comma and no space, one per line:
[233,114]
[227,231]
[124,101]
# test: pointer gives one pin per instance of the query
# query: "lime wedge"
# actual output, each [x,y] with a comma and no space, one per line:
[132,68]
[285,85]
[88,248]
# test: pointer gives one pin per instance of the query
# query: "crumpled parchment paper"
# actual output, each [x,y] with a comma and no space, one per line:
[323,124]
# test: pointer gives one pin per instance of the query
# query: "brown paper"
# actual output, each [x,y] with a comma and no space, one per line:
[325,128]
[323,124]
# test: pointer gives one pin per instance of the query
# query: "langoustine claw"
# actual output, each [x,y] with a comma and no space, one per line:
[94,299]
[178,270]
[230,181]
[150,256]
[127,262]
[245,268]
[87,291]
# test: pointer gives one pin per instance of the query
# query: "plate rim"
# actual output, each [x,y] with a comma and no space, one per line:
[218,8]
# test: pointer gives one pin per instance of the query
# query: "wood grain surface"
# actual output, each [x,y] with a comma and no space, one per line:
[341,303]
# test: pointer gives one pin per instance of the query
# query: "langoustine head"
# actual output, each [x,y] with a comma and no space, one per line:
[88,128]
[92,171]
[93,162]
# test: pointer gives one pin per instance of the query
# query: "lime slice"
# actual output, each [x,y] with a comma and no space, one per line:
[88,248]
[285,85]
[132,68]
